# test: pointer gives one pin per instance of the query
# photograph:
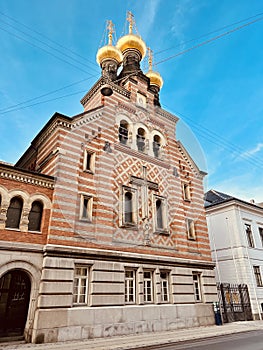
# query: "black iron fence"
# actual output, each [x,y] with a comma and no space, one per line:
[234,302]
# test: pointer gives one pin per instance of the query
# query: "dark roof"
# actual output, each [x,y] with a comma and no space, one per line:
[213,197]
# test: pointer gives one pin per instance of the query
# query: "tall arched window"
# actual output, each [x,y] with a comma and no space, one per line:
[123,132]
[156,145]
[159,214]
[141,139]
[128,208]
[35,216]
[14,213]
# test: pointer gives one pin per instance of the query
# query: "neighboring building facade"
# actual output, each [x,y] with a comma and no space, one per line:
[236,234]
[121,245]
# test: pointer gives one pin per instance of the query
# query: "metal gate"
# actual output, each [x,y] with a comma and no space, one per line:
[234,302]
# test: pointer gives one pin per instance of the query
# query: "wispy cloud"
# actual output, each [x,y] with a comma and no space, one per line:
[146,21]
[183,11]
[253,151]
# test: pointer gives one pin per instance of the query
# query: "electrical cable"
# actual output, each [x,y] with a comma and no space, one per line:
[208,41]
[41,48]
[50,47]
[207,34]
[37,103]
[46,37]
[220,141]
[5,110]
[56,98]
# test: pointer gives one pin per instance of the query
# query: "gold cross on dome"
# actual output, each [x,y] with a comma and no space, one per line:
[110,29]
[130,19]
[150,58]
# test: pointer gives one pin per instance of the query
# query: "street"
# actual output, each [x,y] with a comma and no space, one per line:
[243,341]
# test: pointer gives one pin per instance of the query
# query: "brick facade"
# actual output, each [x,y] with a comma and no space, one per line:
[84,229]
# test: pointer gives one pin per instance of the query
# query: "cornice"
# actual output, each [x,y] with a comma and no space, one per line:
[167,115]
[57,123]
[102,81]
[140,155]
[19,175]
[199,173]
[126,107]
[119,255]
[237,203]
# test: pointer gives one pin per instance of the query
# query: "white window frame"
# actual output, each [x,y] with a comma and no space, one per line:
[148,284]
[260,231]
[197,287]
[134,204]
[164,213]
[89,208]
[165,286]
[249,235]
[89,167]
[190,228]
[258,276]
[80,280]
[130,285]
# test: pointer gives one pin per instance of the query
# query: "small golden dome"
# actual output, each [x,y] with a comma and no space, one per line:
[155,78]
[132,41]
[109,52]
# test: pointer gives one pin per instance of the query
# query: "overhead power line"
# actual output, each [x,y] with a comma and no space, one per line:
[207,34]
[37,103]
[46,37]
[11,108]
[209,41]
[41,48]
[220,141]
[43,43]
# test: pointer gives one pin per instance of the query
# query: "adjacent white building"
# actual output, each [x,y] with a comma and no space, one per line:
[236,235]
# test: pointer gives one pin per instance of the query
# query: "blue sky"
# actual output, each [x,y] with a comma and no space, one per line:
[216,89]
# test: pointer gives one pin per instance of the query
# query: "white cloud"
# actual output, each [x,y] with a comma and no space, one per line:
[253,151]
[146,21]
[183,11]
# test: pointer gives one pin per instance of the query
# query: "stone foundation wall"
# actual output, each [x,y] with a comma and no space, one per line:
[92,322]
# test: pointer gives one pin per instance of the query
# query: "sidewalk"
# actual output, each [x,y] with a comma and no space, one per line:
[139,340]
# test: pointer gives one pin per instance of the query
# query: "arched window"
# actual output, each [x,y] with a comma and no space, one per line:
[35,216]
[123,132]
[159,214]
[128,208]
[156,145]
[14,213]
[141,139]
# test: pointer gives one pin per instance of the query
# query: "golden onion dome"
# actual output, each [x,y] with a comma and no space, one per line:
[155,78]
[132,41]
[109,52]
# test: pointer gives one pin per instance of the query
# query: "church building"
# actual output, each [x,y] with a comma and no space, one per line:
[102,223]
